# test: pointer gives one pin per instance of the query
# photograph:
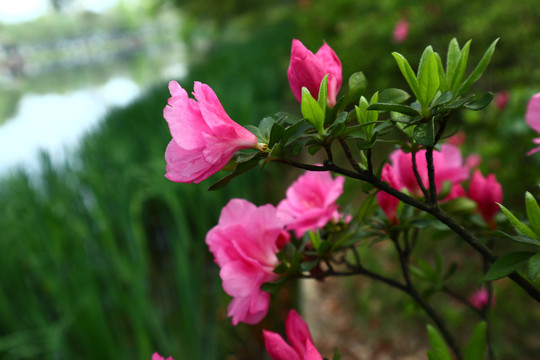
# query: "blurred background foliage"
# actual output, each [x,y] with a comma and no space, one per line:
[102,257]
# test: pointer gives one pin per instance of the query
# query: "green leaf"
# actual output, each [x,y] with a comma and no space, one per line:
[425,54]
[323,93]
[440,351]
[367,207]
[308,265]
[429,81]
[480,103]
[311,111]
[424,134]
[519,238]
[315,239]
[479,69]
[443,80]
[257,132]
[408,73]
[273,287]
[393,96]
[240,169]
[276,133]
[452,58]
[533,213]
[533,267]
[477,344]
[402,109]
[444,98]
[461,66]
[518,225]
[336,355]
[506,264]
[357,83]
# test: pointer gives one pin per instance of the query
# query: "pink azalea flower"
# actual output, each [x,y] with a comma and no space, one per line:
[401,31]
[533,119]
[307,70]
[473,161]
[387,202]
[244,244]
[501,99]
[311,202]
[448,165]
[486,191]
[204,138]
[156,356]
[479,299]
[457,139]
[301,344]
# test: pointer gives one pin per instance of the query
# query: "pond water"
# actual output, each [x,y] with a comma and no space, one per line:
[52,107]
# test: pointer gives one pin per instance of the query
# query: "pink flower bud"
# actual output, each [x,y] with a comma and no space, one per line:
[298,334]
[311,202]
[387,202]
[501,99]
[307,70]
[486,192]
[204,138]
[401,31]
[244,244]
[479,299]
[533,119]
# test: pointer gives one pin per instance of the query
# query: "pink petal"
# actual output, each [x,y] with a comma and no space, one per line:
[186,165]
[532,116]
[297,332]
[311,352]
[278,348]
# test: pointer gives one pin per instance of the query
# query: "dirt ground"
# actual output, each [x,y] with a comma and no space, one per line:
[329,316]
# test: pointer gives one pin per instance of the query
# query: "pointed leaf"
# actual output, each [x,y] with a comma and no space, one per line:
[311,111]
[357,83]
[425,54]
[519,238]
[408,73]
[452,58]
[393,96]
[507,264]
[533,213]
[479,70]
[402,109]
[443,80]
[518,225]
[240,169]
[461,66]
[477,344]
[429,81]
[533,268]
[480,103]
[440,351]
[323,93]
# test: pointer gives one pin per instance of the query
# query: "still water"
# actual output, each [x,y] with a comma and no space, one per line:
[71,100]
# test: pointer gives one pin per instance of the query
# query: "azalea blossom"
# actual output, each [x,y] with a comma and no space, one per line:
[307,70]
[532,116]
[401,31]
[156,356]
[204,138]
[486,192]
[448,164]
[244,243]
[301,343]
[387,202]
[311,202]
[480,298]
[501,99]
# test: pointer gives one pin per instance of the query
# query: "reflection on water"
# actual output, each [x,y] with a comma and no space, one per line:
[66,85]
[54,122]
